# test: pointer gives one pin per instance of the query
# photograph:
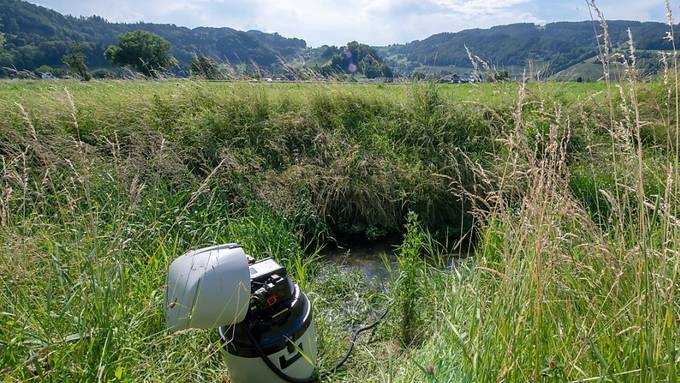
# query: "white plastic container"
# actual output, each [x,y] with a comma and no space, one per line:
[290,346]
[260,312]
[207,288]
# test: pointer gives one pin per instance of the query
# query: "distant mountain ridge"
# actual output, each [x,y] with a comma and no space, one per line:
[39,36]
[559,45]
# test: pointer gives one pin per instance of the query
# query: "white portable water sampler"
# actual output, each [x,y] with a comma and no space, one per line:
[264,320]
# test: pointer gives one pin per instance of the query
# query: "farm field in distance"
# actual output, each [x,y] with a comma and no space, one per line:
[565,195]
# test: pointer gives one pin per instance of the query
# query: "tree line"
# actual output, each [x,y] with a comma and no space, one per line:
[149,54]
[39,38]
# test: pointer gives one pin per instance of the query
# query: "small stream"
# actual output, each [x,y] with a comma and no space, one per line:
[368,258]
[375,259]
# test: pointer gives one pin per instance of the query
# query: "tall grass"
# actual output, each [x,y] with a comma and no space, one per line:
[103,184]
[408,285]
[569,286]
[574,209]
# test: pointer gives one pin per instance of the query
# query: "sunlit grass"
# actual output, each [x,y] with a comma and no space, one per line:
[104,183]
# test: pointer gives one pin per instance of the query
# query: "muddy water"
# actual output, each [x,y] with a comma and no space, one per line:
[376,259]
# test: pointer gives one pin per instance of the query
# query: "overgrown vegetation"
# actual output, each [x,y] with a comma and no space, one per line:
[571,189]
[105,183]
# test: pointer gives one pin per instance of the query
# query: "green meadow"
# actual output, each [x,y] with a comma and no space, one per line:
[563,197]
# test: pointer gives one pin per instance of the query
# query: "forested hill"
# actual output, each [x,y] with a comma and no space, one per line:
[558,45]
[38,36]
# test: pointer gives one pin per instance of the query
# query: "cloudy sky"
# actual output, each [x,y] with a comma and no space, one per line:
[376,22]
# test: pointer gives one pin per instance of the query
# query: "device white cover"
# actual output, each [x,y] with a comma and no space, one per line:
[207,288]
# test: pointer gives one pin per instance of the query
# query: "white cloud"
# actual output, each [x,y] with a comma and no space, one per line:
[317,21]
[382,22]
[376,22]
[632,9]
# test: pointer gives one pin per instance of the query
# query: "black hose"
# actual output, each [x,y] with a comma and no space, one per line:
[312,379]
[352,341]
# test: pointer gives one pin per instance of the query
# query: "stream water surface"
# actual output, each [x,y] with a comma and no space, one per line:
[375,259]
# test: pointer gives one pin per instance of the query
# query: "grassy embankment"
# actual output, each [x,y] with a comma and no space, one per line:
[574,276]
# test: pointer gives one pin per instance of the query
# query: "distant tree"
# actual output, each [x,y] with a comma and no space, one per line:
[146,52]
[56,72]
[204,67]
[6,58]
[103,73]
[371,67]
[500,76]
[75,60]
[419,76]
[356,58]
[387,71]
[44,69]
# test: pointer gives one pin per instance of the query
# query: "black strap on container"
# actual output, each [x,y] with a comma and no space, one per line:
[316,377]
